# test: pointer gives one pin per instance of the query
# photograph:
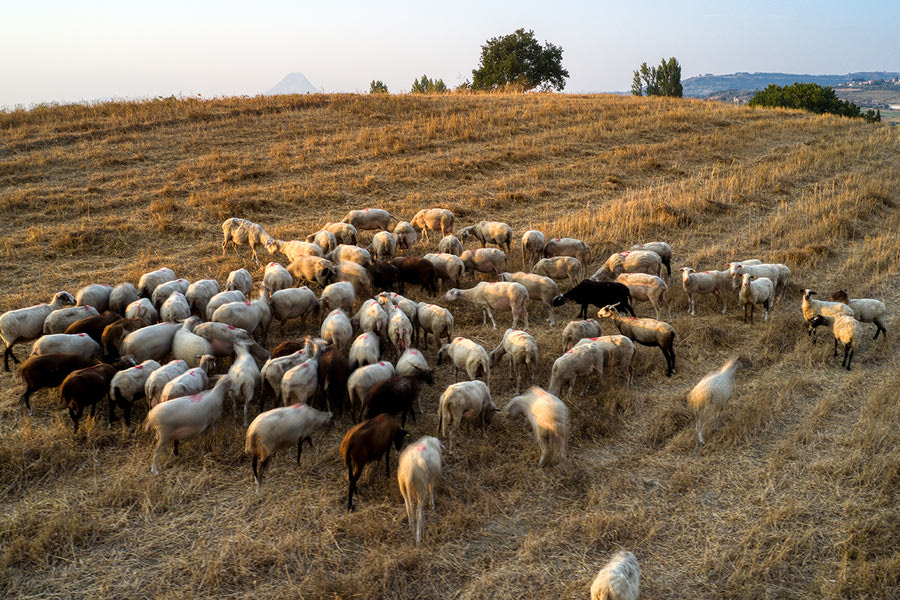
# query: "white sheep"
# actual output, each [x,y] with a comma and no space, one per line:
[647,332]
[447,267]
[489,232]
[157,380]
[224,336]
[198,295]
[59,320]
[433,319]
[280,428]
[812,307]
[338,295]
[95,294]
[532,247]
[273,372]
[250,316]
[418,470]
[371,317]
[413,363]
[365,350]
[357,275]
[645,287]
[777,273]
[406,236]
[224,298]
[240,280]
[579,361]
[186,417]
[369,219]
[129,385]
[294,248]
[500,295]
[150,281]
[549,418]
[292,303]
[192,381]
[523,353]
[577,330]
[560,267]
[390,299]
[144,310]
[241,231]
[540,288]
[619,579]
[300,382]
[164,290]
[845,329]
[324,239]
[175,308]
[246,377]
[618,350]
[121,296]
[711,394]
[484,260]
[705,282]
[345,233]
[663,249]
[77,343]
[336,329]
[568,247]
[468,355]
[464,401]
[276,277]
[364,379]
[187,345]
[345,252]
[865,310]
[450,244]
[632,261]
[756,290]
[151,342]
[399,329]
[384,245]
[433,219]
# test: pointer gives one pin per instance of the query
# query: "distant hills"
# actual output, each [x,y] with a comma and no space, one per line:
[294,83]
[704,86]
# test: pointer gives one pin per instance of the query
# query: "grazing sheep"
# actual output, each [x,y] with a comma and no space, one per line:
[245,374]
[617,350]
[579,361]
[499,295]
[144,310]
[338,295]
[433,219]
[164,290]
[619,579]
[240,231]
[292,303]
[224,298]
[280,428]
[399,329]
[186,417]
[367,442]
[560,267]
[356,275]
[663,249]
[344,253]
[224,336]
[777,273]
[643,287]
[406,235]
[334,372]
[418,470]
[129,386]
[369,219]
[523,352]
[865,310]
[484,260]
[489,232]
[121,296]
[450,245]
[49,370]
[299,383]
[323,239]
[578,330]
[468,355]
[447,267]
[95,294]
[846,330]
[384,275]
[312,269]
[632,261]
[250,316]
[150,281]
[433,319]
[114,334]
[540,288]
[533,246]
[398,395]
[157,380]
[336,329]
[411,362]
[88,386]
[416,271]
[549,418]
[811,308]
[384,245]
[294,248]
[598,293]
[80,343]
[273,371]
[647,332]
[59,320]
[151,342]
[191,381]
[239,280]
[704,282]
[345,233]
[464,401]
[365,350]
[276,277]
[95,325]
[568,247]
[175,308]
[711,394]
[199,294]
[364,379]
[390,299]
[187,345]
[756,290]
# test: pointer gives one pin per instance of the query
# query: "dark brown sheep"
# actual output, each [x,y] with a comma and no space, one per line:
[384,275]
[49,370]
[86,387]
[95,325]
[334,370]
[417,271]
[367,442]
[396,396]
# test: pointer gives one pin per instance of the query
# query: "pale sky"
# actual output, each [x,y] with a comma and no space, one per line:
[83,50]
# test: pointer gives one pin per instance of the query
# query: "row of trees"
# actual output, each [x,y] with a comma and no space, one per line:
[812,97]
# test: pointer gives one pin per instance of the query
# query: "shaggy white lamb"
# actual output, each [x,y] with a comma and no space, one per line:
[549,419]
[711,394]
[523,353]
[406,236]
[450,245]
[499,295]
[468,355]
[705,282]
[619,579]
[418,470]
[464,401]
[384,245]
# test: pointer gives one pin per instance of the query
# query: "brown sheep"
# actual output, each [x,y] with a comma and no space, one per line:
[367,442]
[95,325]
[417,271]
[86,387]
[49,370]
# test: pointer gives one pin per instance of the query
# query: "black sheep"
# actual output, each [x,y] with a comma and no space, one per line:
[598,293]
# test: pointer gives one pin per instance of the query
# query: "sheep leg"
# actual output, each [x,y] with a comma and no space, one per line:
[175,448]
[835,349]
[6,355]
[848,355]
[25,400]
[352,487]
[419,518]
[76,415]
[487,310]
[387,462]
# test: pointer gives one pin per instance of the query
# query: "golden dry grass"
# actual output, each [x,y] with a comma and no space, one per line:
[795,496]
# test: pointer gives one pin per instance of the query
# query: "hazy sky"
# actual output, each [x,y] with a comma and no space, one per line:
[78,50]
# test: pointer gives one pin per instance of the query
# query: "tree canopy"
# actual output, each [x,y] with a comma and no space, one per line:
[519,59]
[378,87]
[664,80]
[428,86]
[808,96]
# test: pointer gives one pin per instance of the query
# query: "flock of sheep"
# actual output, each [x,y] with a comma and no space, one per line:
[111,343]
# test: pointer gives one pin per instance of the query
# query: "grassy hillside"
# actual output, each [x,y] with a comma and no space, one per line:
[795,496]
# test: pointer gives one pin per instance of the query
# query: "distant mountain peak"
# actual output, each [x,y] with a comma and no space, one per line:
[294,83]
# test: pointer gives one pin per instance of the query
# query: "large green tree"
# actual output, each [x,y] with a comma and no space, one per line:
[808,96]
[664,80]
[519,59]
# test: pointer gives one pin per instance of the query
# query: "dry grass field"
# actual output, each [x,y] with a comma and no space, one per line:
[796,496]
